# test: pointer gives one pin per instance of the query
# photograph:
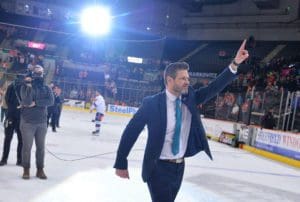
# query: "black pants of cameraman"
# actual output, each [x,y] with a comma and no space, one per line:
[11,126]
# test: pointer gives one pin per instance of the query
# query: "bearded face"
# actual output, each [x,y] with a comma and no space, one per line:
[179,85]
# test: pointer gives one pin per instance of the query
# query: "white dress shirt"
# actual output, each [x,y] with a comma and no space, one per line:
[232,70]
[185,126]
[171,121]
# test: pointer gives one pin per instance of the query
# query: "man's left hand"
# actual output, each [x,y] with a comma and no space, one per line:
[242,53]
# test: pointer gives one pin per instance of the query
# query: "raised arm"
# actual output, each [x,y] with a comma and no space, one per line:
[204,94]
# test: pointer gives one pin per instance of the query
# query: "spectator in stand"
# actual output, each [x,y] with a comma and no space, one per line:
[271,88]
[88,95]
[249,92]
[291,84]
[268,120]
[114,89]
[219,113]
[257,102]
[245,111]
[31,66]
[74,93]
[227,105]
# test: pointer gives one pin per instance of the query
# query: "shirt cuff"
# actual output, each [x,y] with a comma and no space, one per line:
[232,70]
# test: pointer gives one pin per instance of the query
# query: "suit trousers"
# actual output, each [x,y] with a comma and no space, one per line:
[30,132]
[165,181]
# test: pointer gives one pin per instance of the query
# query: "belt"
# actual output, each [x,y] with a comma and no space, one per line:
[180,160]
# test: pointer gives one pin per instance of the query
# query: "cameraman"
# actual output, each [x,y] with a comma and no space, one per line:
[35,98]
[12,120]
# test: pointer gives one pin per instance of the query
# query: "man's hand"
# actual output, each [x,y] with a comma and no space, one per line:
[122,173]
[240,56]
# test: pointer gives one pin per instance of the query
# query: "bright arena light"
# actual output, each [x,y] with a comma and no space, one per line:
[96,20]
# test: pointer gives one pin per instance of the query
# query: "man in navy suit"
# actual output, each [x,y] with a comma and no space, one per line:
[175,130]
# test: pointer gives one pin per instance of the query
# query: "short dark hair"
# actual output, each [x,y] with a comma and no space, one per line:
[172,69]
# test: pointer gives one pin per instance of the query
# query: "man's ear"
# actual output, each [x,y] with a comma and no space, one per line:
[169,79]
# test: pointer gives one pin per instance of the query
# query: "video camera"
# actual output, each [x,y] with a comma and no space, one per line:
[37,75]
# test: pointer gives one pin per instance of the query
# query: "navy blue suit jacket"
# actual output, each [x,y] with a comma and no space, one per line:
[153,113]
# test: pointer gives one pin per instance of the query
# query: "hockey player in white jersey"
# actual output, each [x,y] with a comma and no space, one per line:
[99,105]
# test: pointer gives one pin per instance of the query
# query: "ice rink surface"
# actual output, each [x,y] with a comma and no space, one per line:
[79,169]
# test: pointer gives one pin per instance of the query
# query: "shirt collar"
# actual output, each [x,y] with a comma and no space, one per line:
[171,97]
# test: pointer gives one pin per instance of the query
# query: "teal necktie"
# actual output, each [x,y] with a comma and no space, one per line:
[176,137]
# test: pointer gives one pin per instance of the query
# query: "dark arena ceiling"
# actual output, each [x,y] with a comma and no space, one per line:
[172,18]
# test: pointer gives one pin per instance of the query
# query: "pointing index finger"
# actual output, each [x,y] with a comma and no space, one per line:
[243,45]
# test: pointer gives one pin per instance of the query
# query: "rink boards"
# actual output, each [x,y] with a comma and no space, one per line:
[281,144]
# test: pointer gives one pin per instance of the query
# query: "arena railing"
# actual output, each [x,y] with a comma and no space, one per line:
[250,109]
